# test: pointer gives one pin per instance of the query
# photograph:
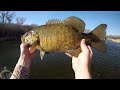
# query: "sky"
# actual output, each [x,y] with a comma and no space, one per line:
[91,18]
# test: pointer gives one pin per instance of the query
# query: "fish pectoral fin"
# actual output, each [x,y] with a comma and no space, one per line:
[75,22]
[42,53]
[75,52]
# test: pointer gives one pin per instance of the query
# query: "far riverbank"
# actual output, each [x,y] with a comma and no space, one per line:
[9,38]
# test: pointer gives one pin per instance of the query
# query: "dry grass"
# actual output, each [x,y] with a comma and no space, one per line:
[114,40]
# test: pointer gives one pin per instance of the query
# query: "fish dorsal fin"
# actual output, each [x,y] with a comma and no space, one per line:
[54,21]
[75,22]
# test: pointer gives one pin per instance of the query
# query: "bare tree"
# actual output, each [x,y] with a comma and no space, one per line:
[2,16]
[6,16]
[20,20]
[9,16]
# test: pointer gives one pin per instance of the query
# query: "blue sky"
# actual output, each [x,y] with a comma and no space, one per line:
[91,18]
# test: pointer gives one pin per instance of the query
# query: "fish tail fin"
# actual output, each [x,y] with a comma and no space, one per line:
[99,37]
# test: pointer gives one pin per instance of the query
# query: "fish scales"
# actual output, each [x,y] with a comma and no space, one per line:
[64,36]
[58,37]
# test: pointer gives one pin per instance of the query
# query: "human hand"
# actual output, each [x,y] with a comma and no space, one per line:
[81,64]
[25,51]
[25,55]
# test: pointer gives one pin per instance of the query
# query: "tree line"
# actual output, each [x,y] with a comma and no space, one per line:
[9,29]
[113,36]
[8,16]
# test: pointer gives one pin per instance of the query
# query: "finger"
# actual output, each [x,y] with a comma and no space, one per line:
[32,48]
[89,47]
[34,52]
[84,47]
[73,58]
[69,55]
[91,53]
[22,45]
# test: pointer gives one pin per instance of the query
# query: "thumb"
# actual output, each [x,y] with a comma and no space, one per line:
[84,47]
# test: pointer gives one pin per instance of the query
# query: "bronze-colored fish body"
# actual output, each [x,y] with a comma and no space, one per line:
[58,37]
[65,36]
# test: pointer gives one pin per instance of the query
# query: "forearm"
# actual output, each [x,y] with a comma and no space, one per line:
[24,61]
[21,70]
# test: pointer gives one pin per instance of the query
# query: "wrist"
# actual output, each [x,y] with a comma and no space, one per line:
[81,68]
[82,73]
[24,61]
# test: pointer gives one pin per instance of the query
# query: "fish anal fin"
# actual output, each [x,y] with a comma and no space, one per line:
[75,52]
[75,22]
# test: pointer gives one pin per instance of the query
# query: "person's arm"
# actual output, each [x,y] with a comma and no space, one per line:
[21,70]
[81,64]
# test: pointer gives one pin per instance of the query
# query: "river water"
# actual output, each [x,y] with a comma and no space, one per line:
[58,65]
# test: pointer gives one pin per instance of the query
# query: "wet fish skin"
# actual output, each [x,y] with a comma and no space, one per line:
[65,36]
[58,37]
